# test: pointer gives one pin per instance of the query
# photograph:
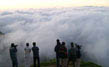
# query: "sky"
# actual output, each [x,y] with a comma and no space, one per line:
[25,4]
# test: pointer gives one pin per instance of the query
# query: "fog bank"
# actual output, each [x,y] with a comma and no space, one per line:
[87,26]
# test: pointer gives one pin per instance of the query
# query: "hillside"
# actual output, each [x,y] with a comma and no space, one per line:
[52,63]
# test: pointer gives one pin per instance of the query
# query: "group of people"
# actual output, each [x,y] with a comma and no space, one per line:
[65,56]
[27,49]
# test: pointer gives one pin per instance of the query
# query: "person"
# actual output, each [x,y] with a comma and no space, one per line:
[27,55]
[57,47]
[72,54]
[35,50]
[13,55]
[63,55]
[78,53]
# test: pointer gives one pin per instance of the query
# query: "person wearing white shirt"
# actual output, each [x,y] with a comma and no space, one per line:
[27,55]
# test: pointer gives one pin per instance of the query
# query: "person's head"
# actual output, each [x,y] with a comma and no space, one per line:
[34,43]
[63,43]
[58,40]
[72,44]
[27,44]
[78,46]
[12,45]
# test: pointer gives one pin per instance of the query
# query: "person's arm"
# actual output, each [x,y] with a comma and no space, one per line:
[30,50]
[38,49]
[66,51]
[24,49]
[9,50]
[55,49]
[15,49]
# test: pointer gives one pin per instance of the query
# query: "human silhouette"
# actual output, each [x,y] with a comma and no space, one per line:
[57,47]
[35,50]
[63,55]
[78,53]
[72,54]
[27,55]
[13,55]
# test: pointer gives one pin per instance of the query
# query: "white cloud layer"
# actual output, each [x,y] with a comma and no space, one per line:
[87,26]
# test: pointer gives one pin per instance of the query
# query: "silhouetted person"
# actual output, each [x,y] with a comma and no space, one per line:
[63,55]
[72,54]
[13,55]
[35,50]
[27,55]
[57,47]
[78,53]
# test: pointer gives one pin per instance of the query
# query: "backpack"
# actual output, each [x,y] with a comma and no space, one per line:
[63,52]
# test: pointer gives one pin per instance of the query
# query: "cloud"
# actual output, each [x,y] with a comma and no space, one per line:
[87,26]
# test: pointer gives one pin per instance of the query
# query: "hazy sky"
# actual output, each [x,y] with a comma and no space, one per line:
[16,4]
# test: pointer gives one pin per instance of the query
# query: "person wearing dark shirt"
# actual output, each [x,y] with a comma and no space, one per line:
[72,55]
[63,55]
[78,53]
[13,55]
[57,47]
[35,50]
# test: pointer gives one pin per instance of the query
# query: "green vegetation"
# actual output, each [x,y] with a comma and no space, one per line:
[89,64]
[52,63]
[1,33]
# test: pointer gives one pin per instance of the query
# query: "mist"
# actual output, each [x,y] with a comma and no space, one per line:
[86,26]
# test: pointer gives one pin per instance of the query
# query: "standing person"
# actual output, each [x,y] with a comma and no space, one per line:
[13,55]
[27,55]
[35,50]
[72,54]
[57,47]
[63,55]
[78,53]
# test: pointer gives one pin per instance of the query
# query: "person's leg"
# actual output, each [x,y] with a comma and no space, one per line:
[16,63]
[61,62]
[73,62]
[34,61]
[78,62]
[13,64]
[38,59]
[27,63]
[12,60]
[66,60]
[57,60]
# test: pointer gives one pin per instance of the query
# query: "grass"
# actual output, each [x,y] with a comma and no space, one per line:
[89,64]
[52,63]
